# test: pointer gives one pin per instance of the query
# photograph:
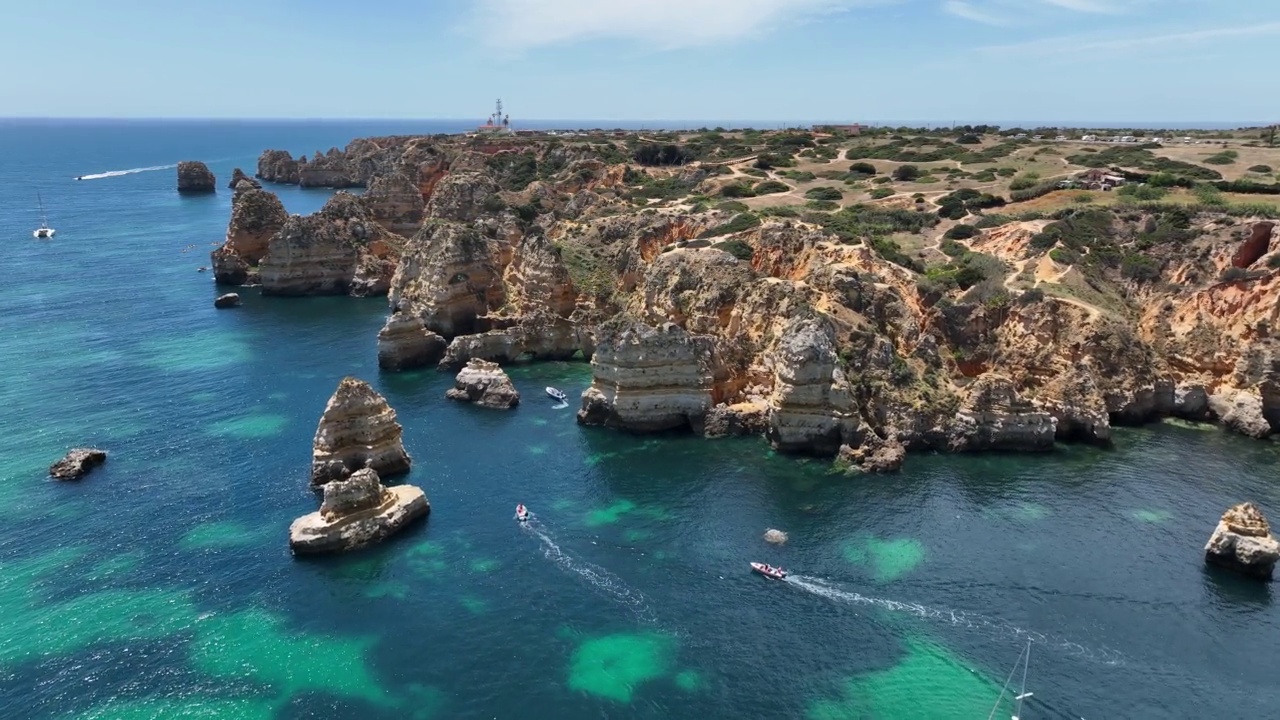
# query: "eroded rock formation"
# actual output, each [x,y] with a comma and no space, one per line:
[229,300]
[195,177]
[77,463]
[256,217]
[1242,541]
[337,251]
[357,430]
[648,379]
[278,166]
[485,384]
[994,417]
[357,512]
[237,176]
[405,343]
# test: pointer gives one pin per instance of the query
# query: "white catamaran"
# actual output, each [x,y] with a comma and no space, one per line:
[43,232]
[1024,659]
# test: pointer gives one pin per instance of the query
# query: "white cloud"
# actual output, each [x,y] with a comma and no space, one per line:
[968,11]
[1082,45]
[663,24]
[1092,6]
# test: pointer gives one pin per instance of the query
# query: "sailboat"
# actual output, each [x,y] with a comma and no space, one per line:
[43,232]
[1024,659]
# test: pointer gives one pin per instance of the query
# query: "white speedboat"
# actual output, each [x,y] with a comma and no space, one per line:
[44,232]
[557,394]
[769,571]
[522,513]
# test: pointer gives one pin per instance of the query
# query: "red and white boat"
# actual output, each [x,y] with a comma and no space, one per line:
[522,513]
[769,571]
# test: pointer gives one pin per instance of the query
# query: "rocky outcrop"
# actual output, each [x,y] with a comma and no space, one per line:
[1254,246]
[339,250]
[77,463]
[463,197]
[995,417]
[405,343]
[448,276]
[873,454]
[195,177]
[396,203]
[355,513]
[1242,542]
[278,166]
[229,300]
[812,408]
[237,176]
[485,384]
[330,170]
[256,217]
[648,379]
[1241,411]
[777,537]
[357,430]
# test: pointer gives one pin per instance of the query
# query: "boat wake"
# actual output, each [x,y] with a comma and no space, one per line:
[560,406]
[960,618]
[601,580]
[131,171]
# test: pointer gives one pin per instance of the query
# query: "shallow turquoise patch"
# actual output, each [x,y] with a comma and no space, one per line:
[250,427]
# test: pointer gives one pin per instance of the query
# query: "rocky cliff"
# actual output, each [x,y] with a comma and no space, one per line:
[237,176]
[195,177]
[648,379]
[357,430]
[256,217]
[278,166]
[339,250]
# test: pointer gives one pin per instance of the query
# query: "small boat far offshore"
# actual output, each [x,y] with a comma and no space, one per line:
[769,571]
[44,232]
[557,394]
[522,513]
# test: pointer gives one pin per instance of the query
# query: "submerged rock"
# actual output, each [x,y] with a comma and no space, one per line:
[405,343]
[195,177]
[358,430]
[777,537]
[484,383]
[1243,542]
[357,512]
[230,300]
[77,463]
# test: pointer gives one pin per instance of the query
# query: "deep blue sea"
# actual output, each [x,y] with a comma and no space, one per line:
[161,586]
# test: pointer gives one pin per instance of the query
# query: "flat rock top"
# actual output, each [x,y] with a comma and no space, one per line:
[1247,519]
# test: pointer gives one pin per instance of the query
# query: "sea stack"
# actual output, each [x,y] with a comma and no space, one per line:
[358,430]
[1243,542]
[77,463]
[237,176]
[229,300]
[256,216]
[405,343]
[485,384]
[357,512]
[195,177]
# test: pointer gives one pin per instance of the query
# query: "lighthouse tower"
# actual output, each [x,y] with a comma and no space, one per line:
[498,122]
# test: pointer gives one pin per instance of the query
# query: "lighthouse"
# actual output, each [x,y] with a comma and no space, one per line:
[498,122]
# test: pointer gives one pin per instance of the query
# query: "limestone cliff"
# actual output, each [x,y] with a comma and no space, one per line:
[994,417]
[812,407]
[396,203]
[357,430]
[256,216]
[278,166]
[337,251]
[405,343]
[648,379]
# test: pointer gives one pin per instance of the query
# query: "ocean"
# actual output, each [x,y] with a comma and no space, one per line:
[161,586]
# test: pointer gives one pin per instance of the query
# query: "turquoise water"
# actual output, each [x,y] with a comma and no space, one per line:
[162,585]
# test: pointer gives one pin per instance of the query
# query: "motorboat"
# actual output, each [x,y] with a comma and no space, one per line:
[522,513]
[557,394]
[44,232]
[769,571]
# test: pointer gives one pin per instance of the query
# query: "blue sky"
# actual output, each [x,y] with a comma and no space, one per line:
[846,60]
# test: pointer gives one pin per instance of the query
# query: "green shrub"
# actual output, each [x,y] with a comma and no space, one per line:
[1263,169]
[1209,195]
[1032,295]
[1145,193]
[1137,158]
[882,180]
[824,193]
[780,211]
[823,205]
[654,154]
[769,187]
[769,161]
[892,251]
[739,223]
[951,248]
[969,139]
[736,248]
[1140,268]
[1006,172]
[1083,198]
[1226,157]
[732,206]
[863,168]
[881,193]
[1022,183]
[906,173]
[799,175]
[737,190]
[962,232]
[1273,262]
